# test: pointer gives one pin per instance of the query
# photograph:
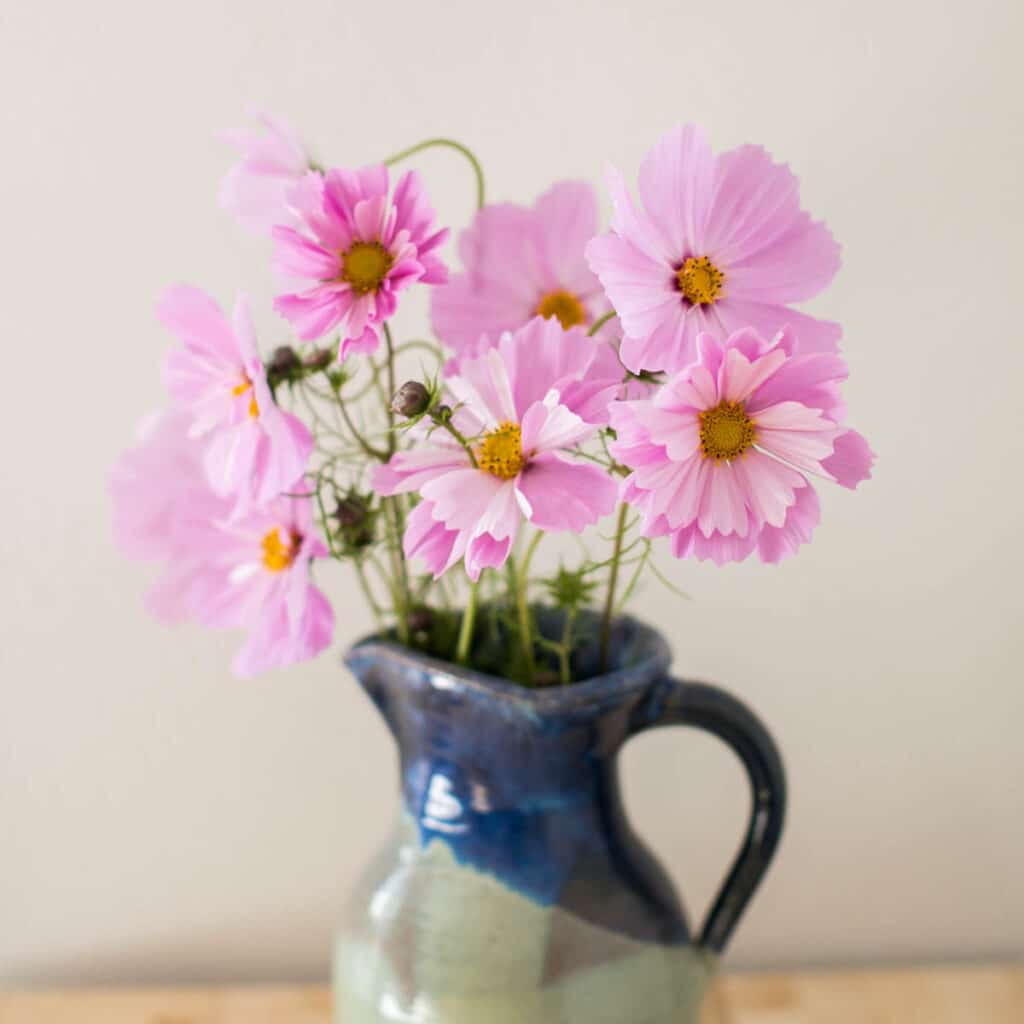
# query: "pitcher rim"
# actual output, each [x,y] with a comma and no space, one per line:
[593,691]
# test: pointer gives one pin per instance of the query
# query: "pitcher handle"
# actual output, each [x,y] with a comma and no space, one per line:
[675,702]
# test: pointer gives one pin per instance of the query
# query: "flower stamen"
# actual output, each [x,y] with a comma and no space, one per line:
[501,451]
[364,265]
[700,281]
[240,389]
[564,306]
[726,431]
[278,554]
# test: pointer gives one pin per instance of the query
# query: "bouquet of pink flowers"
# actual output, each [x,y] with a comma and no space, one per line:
[655,374]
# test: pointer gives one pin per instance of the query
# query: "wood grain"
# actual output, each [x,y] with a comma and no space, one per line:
[972,995]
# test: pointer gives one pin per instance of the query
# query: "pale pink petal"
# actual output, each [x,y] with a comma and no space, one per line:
[723,508]
[740,376]
[429,540]
[767,319]
[676,182]
[501,515]
[642,290]
[851,460]
[408,471]
[296,256]
[365,344]
[280,638]
[791,415]
[772,249]
[671,345]
[776,543]
[808,379]
[288,445]
[199,323]
[501,285]
[255,189]
[229,459]
[635,227]
[689,542]
[565,495]
[486,552]
[801,448]
[566,219]
[547,427]
[170,599]
[769,486]
[315,313]
[461,497]
[483,385]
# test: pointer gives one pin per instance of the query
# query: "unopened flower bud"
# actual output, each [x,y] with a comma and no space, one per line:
[443,413]
[320,359]
[283,361]
[351,511]
[411,399]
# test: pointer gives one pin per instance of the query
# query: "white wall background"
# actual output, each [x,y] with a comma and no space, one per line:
[162,821]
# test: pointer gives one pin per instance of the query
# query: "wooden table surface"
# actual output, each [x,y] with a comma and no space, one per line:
[970,995]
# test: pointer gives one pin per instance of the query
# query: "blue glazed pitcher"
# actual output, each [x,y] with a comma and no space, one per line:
[514,890]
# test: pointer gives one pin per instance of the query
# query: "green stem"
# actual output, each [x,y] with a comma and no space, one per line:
[398,568]
[447,424]
[364,585]
[392,441]
[371,450]
[450,144]
[564,670]
[600,322]
[523,608]
[613,582]
[394,505]
[328,532]
[418,343]
[465,641]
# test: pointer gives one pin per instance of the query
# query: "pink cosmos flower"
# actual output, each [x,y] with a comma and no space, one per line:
[521,262]
[250,572]
[162,506]
[257,577]
[359,247]
[255,190]
[522,406]
[720,244]
[255,449]
[719,456]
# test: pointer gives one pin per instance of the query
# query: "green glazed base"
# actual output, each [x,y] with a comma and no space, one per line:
[435,942]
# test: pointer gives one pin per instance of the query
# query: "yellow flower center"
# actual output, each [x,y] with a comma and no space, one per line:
[501,451]
[700,281]
[726,431]
[278,554]
[240,389]
[563,305]
[364,265]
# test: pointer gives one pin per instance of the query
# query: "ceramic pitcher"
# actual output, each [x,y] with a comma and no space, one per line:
[514,889]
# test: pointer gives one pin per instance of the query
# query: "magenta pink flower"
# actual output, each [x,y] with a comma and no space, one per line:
[719,455]
[522,407]
[521,262]
[257,578]
[720,244]
[255,450]
[162,510]
[255,190]
[359,249]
